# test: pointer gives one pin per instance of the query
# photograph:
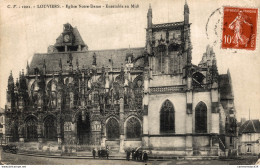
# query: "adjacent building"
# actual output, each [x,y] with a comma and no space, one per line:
[151,96]
[2,126]
[249,136]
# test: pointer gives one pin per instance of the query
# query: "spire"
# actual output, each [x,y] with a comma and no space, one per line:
[186,7]
[228,72]
[17,83]
[149,17]
[10,77]
[10,81]
[186,13]
[20,76]
[187,45]
[27,68]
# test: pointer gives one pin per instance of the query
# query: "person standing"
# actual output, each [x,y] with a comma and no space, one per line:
[140,155]
[145,156]
[99,153]
[107,151]
[94,153]
[128,153]
[133,154]
[137,155]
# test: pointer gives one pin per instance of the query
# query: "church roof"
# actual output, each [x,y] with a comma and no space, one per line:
[168,25]
[250,126]
[84,59]
[78,39]
[225,87]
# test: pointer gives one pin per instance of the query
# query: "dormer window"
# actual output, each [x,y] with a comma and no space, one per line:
[197,79]
[36,71]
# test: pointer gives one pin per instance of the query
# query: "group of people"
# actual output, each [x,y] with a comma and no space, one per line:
[101,152]
[136,154]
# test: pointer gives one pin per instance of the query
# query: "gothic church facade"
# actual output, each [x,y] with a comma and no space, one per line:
[153,97]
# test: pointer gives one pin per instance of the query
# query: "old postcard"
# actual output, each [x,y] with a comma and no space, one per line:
[129,82]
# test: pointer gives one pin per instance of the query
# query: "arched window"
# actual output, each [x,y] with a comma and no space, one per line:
[133,128]
[201,118]
[167,118]
[52,93]
[138,91]
[112,129]
[50,129]
[31,128]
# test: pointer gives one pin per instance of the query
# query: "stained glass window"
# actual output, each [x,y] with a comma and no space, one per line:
[133,128]
[112,129]
[138,92]
[201,118]
[167,118]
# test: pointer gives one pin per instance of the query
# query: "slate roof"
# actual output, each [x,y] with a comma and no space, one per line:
[225,87]
[250,126]
[84,58]
[78,39]
[166,25]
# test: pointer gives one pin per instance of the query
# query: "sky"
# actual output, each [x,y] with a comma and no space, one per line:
[24,32]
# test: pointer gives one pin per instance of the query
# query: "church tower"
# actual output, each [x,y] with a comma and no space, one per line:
[168,45]
[69,40]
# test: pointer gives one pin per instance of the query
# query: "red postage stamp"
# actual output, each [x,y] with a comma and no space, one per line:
[239,28]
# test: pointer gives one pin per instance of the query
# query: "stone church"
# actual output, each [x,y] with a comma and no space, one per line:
[153,97]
